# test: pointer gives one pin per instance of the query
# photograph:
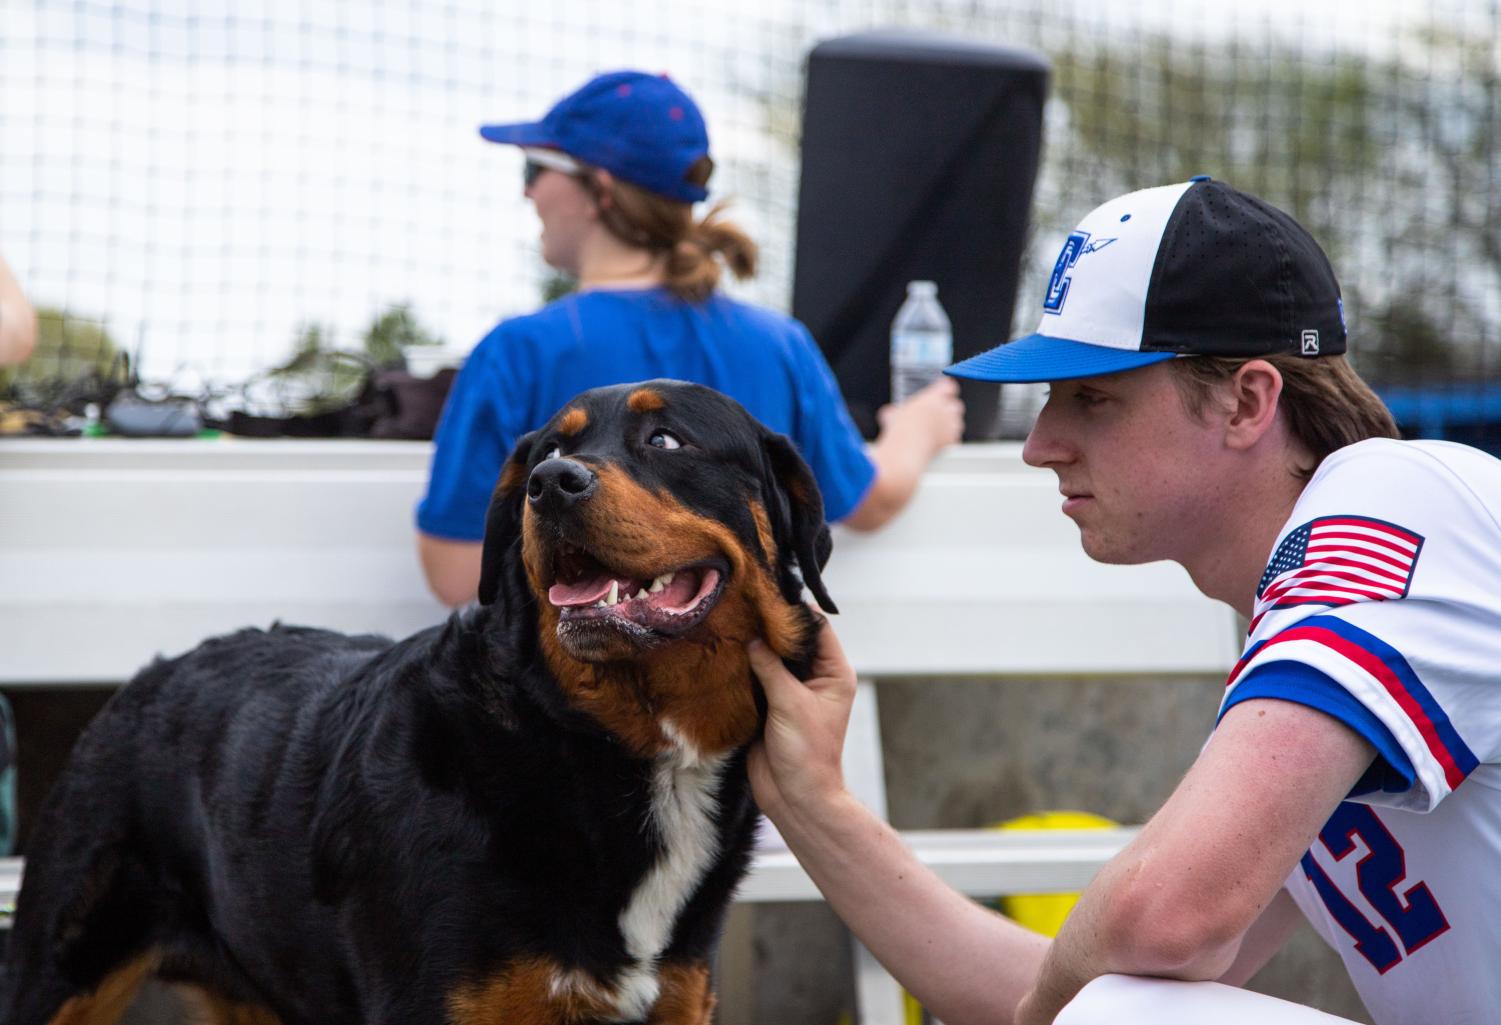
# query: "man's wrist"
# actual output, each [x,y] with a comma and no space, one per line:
[813,810]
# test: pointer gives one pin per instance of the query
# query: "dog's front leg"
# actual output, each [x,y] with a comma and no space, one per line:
[686,998]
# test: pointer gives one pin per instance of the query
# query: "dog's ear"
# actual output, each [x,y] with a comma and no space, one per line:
[503,522]
[796,508]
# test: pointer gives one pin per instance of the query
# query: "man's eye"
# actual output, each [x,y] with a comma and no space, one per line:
[664,439]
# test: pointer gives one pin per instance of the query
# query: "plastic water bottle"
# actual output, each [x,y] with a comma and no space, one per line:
[922,342]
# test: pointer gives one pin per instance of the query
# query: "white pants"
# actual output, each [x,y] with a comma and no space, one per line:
[1131,1000]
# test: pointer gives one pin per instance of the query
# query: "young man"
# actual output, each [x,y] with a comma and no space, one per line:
[1201,410]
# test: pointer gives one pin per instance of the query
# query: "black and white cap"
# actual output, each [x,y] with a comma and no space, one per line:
[1197,268]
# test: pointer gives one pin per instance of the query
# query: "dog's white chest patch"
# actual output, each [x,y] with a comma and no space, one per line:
[684,789]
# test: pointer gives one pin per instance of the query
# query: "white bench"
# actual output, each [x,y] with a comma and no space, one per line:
[113,551]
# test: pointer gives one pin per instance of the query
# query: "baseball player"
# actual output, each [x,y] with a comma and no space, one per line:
[1201,410]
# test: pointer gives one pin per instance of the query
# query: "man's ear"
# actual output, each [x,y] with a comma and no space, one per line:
[1253,394]
[796,509]
[503,521]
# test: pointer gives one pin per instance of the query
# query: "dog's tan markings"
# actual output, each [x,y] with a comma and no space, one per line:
[534,991]
[645,400]
[700,682]
[573,421]
[202,1007]
[796,490]
[111,997]
[512,476]
[686,997]
[763,530]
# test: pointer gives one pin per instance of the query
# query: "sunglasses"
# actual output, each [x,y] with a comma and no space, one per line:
[539,160]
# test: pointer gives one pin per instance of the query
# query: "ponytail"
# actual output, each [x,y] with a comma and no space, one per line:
[697,252]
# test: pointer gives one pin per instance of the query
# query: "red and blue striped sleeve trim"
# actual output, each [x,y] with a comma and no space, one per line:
[1387,666]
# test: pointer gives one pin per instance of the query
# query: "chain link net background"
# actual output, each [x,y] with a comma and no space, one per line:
[201,184]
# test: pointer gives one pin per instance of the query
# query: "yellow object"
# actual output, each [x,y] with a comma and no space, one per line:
[1045,912]
[1040,912]
[911,1010]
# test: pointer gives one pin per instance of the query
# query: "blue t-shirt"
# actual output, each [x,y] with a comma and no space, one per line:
[528,367]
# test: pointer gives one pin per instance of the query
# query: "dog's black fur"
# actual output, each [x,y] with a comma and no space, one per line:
[319,829]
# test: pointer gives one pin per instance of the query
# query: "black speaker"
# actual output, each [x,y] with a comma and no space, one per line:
[919,154]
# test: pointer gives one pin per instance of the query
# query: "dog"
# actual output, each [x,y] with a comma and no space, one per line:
[534,814]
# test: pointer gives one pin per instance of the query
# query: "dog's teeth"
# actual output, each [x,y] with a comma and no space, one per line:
[599,604]
[661,582]
[639,594]
[614,596]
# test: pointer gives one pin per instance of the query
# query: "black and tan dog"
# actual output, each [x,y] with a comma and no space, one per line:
[535,814]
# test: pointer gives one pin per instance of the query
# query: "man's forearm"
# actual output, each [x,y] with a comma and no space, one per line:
[1097,940]
[964,962]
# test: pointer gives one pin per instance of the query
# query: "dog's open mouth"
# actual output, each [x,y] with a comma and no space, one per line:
[669,602]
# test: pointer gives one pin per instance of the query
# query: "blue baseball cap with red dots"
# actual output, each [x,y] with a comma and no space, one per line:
[640,127]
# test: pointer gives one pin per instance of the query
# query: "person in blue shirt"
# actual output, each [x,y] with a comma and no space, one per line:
[613,170]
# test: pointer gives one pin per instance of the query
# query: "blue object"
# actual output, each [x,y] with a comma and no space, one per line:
[639,127]
[528,367]
[1039,357]
[1303,684]
[1446,411]
[1192,269]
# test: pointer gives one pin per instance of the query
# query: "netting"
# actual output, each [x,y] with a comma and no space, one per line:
[203,185]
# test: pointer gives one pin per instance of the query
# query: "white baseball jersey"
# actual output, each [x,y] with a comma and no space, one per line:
[1381,605]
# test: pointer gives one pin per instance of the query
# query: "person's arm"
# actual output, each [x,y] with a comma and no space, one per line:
[912,433]
[1180,901]
[18,325]
[1269,935]
[452,568]
[474,435]
[1195,896]
[964,962]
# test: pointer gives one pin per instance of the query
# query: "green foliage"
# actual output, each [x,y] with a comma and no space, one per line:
[75,361]
[392,333]
[557,284]
[320,376]
[1389,171]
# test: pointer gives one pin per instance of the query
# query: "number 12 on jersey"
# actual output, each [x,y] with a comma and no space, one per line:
[1413,915]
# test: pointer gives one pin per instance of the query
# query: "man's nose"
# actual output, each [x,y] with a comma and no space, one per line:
[559,484]
[1045,445]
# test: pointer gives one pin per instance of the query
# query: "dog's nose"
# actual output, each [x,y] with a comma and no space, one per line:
[558,484]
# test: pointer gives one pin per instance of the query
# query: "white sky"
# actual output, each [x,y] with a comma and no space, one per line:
[206,179]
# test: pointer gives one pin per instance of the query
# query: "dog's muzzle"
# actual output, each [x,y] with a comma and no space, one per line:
[557,485]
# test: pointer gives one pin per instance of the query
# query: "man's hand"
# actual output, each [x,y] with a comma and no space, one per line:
[797,762]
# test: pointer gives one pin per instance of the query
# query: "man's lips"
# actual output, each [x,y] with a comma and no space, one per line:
[1075,500]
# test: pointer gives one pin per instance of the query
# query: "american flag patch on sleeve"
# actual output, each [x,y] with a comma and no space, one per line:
[1339,560]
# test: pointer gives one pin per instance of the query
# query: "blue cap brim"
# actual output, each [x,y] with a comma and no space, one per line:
[530,133]
[1045,358]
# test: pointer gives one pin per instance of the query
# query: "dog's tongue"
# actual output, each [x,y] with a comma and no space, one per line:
[677,595]
[580,592]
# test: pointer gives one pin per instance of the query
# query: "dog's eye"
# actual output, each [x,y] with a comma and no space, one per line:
[664,439]
[552,452]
